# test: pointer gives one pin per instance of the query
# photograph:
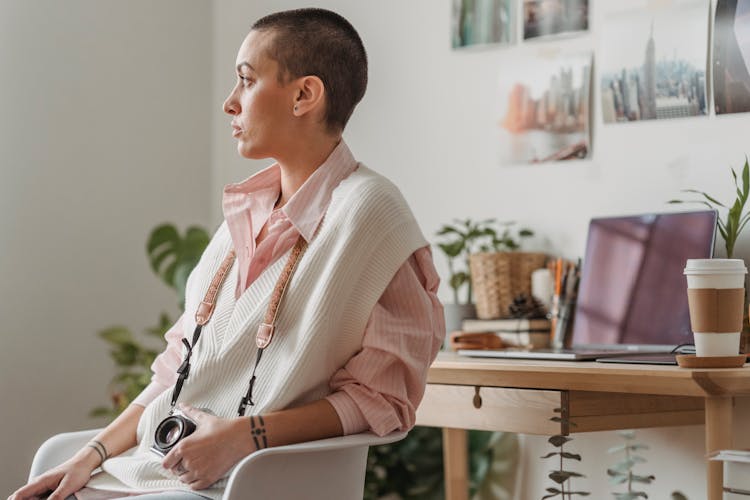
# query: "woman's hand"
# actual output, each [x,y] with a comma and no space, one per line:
[63,480]
[207,454]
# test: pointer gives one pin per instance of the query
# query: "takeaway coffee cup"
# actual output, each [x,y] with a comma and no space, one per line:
[716,297]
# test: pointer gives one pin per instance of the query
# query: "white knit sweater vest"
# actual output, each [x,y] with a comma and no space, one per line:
[367,233]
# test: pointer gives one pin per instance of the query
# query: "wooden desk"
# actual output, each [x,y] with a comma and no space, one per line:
[520,396]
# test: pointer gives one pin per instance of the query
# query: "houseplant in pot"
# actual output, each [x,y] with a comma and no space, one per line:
[460,240]
[730,227]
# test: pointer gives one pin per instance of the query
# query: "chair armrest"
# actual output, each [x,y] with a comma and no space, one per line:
[327,469]
[58,449]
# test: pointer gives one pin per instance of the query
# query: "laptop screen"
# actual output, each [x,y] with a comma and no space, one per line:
[633,291]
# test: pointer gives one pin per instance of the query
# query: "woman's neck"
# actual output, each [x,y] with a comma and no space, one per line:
[298,166]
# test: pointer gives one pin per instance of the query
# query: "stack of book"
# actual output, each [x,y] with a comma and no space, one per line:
[736,473]
[528,333]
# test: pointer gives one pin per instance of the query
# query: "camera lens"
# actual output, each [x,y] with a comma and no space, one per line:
[169,432]
[173,435]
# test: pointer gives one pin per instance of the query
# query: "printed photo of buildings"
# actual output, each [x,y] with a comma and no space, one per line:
[731,68]
[654,62]
[481,22]
[551,17]
[544,111]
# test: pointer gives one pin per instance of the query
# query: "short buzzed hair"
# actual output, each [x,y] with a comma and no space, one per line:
[318,42]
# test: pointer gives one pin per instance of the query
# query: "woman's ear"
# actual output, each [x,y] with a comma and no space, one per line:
[309,97]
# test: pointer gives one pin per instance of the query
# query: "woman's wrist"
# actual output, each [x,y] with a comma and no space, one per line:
[244,435]
[88,457]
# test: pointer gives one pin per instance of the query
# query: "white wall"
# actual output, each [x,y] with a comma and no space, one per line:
[104,133]
[427,123]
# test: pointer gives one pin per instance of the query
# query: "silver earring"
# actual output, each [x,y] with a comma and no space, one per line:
[295,108]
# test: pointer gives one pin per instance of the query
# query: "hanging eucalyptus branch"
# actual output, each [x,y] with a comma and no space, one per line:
[622,472]
[561,476]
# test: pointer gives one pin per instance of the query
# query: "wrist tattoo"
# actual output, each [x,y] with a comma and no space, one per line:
[100,450]
[258,430]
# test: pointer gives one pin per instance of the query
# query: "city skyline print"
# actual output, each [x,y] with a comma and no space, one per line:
[653,62]
[544,111]
[732,56]
[481,22]
[552,17]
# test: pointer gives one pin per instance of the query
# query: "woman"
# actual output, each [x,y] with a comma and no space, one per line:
[344,348]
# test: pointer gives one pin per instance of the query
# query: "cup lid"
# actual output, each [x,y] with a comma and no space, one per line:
[715,266]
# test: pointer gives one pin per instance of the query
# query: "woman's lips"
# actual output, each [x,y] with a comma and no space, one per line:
[236,131]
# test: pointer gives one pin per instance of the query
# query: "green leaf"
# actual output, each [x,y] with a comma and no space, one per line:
[572,456]
[452,249]
[165,233]
[551,454]
[678,495]
[643,479]
[675,201]
[458,279]
[619,479]
[560,476]
[637,446]
[630,495]
[558,440]
[117,335]
[706,196]
[126,355]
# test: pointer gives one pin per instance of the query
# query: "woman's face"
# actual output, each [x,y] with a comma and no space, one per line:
[262,108]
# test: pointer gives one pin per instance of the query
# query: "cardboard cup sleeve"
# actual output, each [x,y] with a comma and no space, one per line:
[716,310]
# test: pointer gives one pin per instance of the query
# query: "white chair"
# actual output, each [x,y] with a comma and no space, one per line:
[328,469]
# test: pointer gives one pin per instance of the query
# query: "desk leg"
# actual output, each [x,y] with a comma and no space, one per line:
[456,464]
[718,437]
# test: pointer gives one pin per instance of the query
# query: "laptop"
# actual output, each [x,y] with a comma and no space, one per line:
[632,296]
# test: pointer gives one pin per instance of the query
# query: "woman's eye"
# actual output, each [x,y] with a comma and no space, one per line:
[246,82]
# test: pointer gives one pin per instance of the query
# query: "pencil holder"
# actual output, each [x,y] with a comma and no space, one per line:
[497,277]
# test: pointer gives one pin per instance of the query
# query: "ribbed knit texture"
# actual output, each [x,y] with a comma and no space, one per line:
[367,233]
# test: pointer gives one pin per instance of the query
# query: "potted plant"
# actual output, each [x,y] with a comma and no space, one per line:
[730,228]
[460,240]
[735,221]
[172,257]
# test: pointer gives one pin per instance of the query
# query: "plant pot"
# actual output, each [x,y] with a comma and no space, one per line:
[455,314]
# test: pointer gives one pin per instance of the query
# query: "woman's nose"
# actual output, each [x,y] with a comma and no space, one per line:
[231,105]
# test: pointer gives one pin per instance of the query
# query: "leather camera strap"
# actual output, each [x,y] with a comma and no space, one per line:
[266,329]
[202,315]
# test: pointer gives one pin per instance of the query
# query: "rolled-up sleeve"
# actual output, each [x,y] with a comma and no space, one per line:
[165,365]
[381,386]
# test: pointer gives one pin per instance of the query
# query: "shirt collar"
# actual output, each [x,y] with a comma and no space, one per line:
[305,209]
[307,206]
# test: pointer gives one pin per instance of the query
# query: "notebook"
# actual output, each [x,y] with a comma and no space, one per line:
[632,297]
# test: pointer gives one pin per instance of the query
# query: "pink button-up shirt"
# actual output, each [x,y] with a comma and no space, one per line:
[380,387]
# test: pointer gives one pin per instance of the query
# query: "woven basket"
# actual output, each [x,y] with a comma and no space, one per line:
[498,277]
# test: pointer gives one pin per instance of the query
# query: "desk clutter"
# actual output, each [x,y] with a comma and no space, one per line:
[524,300]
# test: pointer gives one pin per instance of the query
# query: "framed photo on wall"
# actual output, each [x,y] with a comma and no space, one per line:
[731,67]
[653,62]
[482,22]
[552,17]
[544,111]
